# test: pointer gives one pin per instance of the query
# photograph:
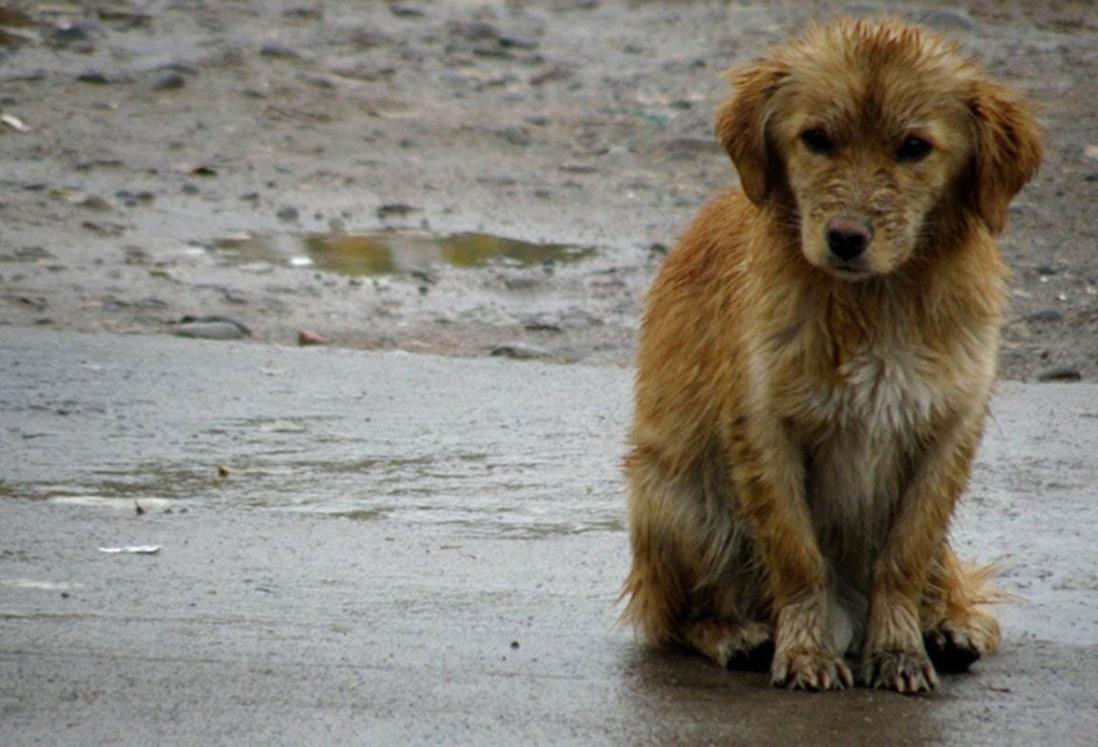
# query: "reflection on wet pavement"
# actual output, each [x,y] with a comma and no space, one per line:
[386,252]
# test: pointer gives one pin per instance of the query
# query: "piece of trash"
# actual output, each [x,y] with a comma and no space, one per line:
[131,550]
[14,122]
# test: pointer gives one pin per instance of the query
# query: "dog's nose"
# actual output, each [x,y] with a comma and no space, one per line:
[847,238]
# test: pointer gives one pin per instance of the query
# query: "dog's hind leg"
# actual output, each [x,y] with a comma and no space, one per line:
[687,586]
[957,627]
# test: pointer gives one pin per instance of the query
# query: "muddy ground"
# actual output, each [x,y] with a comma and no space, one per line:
[140,136]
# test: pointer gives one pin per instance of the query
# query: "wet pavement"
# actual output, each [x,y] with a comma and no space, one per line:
[381,548]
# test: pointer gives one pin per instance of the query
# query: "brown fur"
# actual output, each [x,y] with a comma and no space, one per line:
[803,430]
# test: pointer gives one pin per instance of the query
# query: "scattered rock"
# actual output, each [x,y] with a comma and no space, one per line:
[212,328]
[1045,315]
[406,10]
[395,208]
[474,30]
[1060,373]
[520,351]
[517,41]
[1046,270]
[94,77]
[189,189]
[278,51]
[308,337]
[170,81]
[73,32]
[288,213]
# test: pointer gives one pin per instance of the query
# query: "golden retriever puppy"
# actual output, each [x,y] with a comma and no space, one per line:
[816,363]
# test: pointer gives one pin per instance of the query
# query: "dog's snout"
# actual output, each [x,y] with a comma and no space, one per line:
[847,238]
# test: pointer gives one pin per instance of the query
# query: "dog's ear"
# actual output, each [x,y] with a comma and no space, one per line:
[741,126]
[1008,151]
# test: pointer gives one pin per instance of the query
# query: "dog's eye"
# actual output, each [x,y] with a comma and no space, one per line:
[817,141]
[912,149]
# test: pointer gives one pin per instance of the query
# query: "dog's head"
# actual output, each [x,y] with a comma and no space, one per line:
[875,134]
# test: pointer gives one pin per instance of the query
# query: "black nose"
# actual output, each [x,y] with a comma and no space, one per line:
[847,238]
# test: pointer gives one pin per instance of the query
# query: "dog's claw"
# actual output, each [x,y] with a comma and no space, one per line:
[810,671]
[903,671]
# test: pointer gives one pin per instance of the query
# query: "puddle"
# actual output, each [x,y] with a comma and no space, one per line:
[389,252]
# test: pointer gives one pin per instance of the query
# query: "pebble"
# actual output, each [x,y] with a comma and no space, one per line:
[212,328]
[288,213]
[209,331]
[94,77]
[406,10]
[1046,270]
[1045,315]
[69,32]
[520,351]
[1060,373]
[170,81]
[517,41]
[278,51]
[395,208]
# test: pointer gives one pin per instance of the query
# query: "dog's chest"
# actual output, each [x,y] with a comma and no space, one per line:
[865,424]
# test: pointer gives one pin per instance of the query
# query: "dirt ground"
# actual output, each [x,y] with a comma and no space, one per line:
[139,136]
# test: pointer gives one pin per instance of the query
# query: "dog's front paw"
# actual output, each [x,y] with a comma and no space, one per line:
[953,645]
[905,672]
[810,670]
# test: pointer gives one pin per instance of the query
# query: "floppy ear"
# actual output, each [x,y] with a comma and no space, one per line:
[1008,151]
[741,126]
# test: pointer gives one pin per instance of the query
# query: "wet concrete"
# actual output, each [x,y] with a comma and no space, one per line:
[387,548]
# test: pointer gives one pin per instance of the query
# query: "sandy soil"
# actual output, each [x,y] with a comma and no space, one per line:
[138,134]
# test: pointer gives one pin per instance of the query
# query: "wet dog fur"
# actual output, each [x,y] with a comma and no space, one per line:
[816,362]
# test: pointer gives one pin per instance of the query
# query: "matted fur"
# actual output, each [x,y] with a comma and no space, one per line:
[804,426]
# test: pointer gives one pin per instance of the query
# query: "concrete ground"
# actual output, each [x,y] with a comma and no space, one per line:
[382,548]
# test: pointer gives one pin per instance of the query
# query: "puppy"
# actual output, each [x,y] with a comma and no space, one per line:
[816,363]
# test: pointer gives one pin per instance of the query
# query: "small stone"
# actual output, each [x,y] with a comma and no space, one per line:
[514,644]
[288,213]
[395,208]
[169,82]
[212,328]
[517,41]
[519,351]
[94,77]
[1060,373]
[474,30]
[405,10]
[1045,315]
[1046,270]
[308,337]
[189,189]
[68,32]
[278,51]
